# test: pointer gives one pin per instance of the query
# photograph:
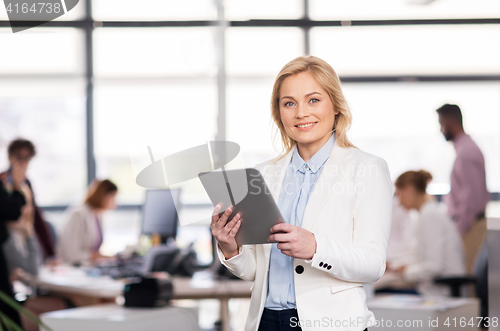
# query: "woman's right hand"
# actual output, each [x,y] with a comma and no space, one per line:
[23,225]
[225,233]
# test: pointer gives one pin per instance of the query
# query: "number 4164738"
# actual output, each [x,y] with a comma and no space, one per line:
[39,7]
[462,321]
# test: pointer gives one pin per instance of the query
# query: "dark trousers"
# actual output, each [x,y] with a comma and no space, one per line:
[280,320]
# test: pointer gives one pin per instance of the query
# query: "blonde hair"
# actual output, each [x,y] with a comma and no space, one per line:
[328,79]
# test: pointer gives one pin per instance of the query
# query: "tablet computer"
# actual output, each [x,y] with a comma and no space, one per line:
[246,190]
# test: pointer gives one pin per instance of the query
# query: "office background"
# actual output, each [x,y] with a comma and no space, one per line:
[93,87]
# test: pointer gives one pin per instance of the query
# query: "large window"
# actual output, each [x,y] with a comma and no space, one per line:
[154,87]
[390,117]
[409,50]
[172,75]
[168,117]
[42,98]
[110,78]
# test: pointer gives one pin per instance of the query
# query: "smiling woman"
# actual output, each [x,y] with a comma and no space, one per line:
[323,103]
[336,201]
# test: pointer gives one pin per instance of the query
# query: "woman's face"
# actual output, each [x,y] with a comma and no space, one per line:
[407,196]
[306,110]
[109,201]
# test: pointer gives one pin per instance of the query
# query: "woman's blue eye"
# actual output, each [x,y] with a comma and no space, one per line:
[315,101]
[289,102]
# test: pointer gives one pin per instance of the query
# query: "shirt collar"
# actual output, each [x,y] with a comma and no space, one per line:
[316,161]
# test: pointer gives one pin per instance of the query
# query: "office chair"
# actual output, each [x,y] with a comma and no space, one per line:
[479,273]
[52,233]
[455,283]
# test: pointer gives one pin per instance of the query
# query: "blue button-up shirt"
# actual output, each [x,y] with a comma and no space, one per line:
[281,286]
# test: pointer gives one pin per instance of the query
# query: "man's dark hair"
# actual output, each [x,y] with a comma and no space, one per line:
[451,111]
[19,144]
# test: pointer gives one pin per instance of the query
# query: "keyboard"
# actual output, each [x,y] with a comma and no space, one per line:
[124,269]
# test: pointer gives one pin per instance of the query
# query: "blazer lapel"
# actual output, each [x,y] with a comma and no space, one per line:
[334,169]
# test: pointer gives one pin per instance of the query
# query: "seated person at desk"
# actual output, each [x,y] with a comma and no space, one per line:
[82,234]
[403,221]
[436,247]
[24,255]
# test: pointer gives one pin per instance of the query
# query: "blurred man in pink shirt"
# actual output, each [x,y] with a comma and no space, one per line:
[468,195]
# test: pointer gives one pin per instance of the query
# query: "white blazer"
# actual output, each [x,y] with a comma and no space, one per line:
[79,235]
[349,212]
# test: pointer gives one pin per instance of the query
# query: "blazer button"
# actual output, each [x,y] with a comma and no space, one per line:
[325,265]
[299,269]
[329,267]
[321,264]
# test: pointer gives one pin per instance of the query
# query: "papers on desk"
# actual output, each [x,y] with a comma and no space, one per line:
[406,301]
[202,279]
[67,276]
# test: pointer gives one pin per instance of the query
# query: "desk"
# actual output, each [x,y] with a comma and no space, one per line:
[422,314]
[223,290]
[70,280]
[73,282]
[114,317]
[392,280]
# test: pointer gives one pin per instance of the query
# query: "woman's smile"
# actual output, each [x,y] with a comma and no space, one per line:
[306,126]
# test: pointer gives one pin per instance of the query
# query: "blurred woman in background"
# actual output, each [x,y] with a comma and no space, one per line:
[82,234]
[11,203]
[437,249]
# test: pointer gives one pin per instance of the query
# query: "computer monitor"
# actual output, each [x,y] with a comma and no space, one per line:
[159,213]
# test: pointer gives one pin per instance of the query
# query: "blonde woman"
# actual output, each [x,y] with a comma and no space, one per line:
[337,203]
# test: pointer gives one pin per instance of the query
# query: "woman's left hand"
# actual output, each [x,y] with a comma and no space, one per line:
[293,240]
